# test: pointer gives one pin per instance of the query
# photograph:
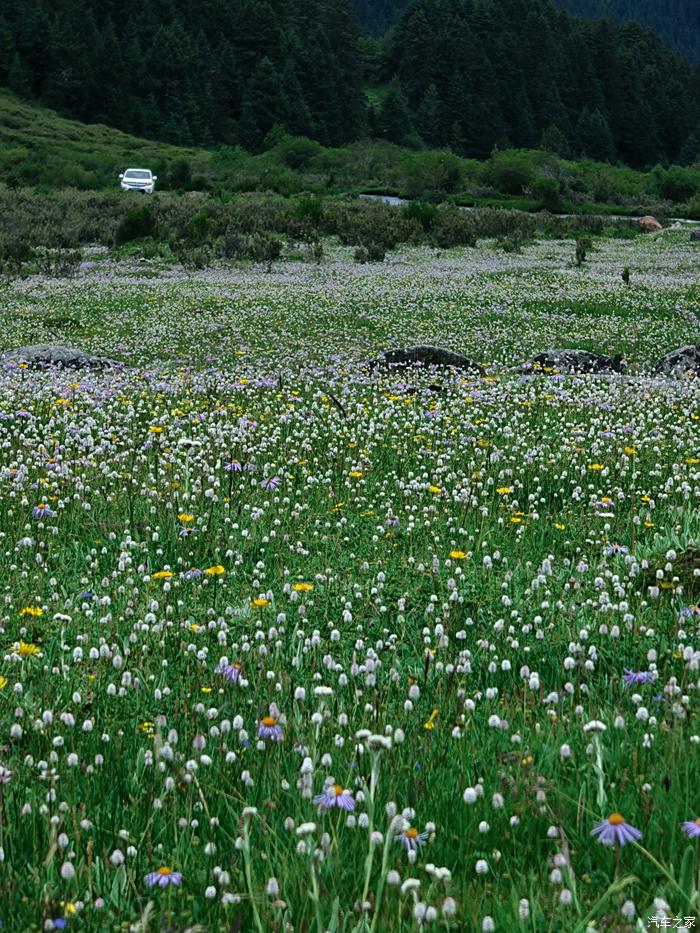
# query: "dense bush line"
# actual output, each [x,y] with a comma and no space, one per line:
[199,227]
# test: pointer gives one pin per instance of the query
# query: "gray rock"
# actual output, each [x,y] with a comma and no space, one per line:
[682,361]
[695,235]
[41,355]
[424,356]
[572,361]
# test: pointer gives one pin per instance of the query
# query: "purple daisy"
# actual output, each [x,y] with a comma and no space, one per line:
[691,828]
[335,796]
[411,839]
[230,671]
[163,877]
[42,511]
[615,831]
[637,677]
[269,728]
[233,466]
[271,483]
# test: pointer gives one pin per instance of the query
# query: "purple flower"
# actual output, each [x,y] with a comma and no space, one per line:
[392,521]
[616,549]
[233,466]
[60,923]
[689,611]
[269,728]
[639,677]
[691,828]
[193,574]
[615,831]
[42,511]
[411,839]
[230,671]
[271,483]
[163,877]
[334,796]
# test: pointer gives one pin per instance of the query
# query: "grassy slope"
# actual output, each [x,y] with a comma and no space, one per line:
[39,144]
[38,147]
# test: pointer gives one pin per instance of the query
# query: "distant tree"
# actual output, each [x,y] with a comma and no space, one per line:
[554,141]
[593,136]
[18,79]
[394,115]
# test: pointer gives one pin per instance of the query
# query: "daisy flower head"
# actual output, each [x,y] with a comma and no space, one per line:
[42,511]
[270,483]
[269,728]
[691,828]
[637,677]
[334,795]
[163,877]
[231,672]
[615,831]
[233,466]
[411,839]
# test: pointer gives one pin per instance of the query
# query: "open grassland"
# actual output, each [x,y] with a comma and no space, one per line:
[288,647]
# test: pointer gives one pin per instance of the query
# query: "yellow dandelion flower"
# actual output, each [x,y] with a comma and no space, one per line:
[155,429]
[28,650]
[430,722]
[303,587]
[692,460]
[216,571]
[162,575]
[434,489]
[31,611]
[260,601]
[503,490]
[3,682]
[184,517]
[356,474]
[516,519]
[458,555]
[595,466]
[559,526]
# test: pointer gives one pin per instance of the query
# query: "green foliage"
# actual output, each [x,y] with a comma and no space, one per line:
[583,246]
[138,222]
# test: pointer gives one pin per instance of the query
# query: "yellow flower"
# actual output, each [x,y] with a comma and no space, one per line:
[515,520]
[184,517]
[31,611]
[430,722]
[3,682]
[648,524]
[356,474]
[206,689]
[503,490]
[216,571]
[630,451]
[162,575]
[434,489]
[559,526]
[303,587]
[155,429]
[69,908]
[27,650]
[260,601]
[458,555]
[596,466]
[692,460]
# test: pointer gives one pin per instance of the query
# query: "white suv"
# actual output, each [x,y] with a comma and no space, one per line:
[139,179]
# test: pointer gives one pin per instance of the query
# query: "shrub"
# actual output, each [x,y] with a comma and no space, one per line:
[583,245]
[138,222]
[422,213]
[453,227]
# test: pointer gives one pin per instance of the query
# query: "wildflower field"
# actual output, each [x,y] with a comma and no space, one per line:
[286,646]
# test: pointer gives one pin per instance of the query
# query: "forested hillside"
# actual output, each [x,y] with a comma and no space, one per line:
[459,73]
[678,21]
[187,72]
[474,76]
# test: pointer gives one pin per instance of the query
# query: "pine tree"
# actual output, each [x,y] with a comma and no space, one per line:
[594,137]
[394,115]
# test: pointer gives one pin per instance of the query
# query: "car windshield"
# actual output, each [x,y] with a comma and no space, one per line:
[137,173]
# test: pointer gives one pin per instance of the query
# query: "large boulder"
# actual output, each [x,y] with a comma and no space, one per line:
[650,224]
[680,362]
[424,356]
[695,235]
[554,362]
[42,355]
